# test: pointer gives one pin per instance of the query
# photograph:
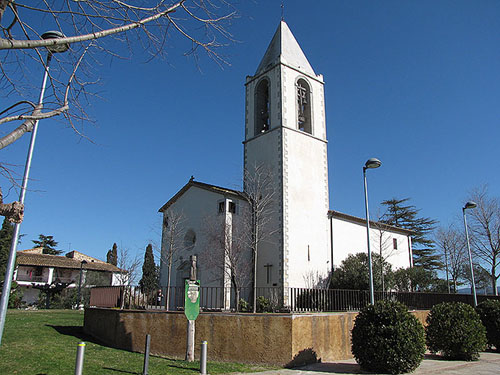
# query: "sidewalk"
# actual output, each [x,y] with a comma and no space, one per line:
[488,364]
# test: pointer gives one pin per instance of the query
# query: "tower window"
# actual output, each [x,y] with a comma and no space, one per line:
[222,207]
[304,106]
[395,243]
[262,108]
[232,207]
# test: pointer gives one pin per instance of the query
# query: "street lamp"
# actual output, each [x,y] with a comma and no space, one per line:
[4,300]
[370,164]
[467,206]
[78,297]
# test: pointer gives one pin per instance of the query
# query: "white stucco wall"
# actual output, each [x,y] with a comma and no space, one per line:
[350,238]
[197,207]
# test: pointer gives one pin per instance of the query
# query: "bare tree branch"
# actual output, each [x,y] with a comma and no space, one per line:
[484,225]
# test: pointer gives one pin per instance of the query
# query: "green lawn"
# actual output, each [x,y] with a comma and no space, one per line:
[44,343]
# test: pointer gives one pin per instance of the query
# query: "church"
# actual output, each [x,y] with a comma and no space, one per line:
[284,204]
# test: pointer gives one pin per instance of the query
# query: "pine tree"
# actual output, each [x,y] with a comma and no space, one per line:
[48,243]
[6,234]
[149,281]
[399,215]
[112,255]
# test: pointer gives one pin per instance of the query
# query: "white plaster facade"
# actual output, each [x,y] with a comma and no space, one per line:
[37,269]
[285,132]
[349,236]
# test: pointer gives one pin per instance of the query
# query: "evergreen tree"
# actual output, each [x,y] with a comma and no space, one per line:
[406,216]
[149,281]
[48,243]
[353,273]
[5,241]
[112,255]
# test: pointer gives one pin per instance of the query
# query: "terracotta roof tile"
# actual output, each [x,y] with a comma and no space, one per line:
[31,259]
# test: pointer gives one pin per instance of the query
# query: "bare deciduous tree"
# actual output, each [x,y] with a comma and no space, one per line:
[129,266]
[226,253]
[450,242]
[384,244]
[172,243]
[93,28]
[259,192]
[484,226]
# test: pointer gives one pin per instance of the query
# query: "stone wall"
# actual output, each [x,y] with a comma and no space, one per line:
[251,338]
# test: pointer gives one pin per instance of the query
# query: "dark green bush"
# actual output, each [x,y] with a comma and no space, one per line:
[243,306]
[454,329]
[263,304]
[387,338]
[489,311]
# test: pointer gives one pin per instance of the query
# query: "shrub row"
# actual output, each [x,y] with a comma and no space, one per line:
[387,338]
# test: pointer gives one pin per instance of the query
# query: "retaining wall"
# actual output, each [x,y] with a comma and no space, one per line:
[251,338]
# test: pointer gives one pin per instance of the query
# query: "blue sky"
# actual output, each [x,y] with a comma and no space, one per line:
[413,83]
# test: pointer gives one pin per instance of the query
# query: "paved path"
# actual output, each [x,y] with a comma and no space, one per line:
[488,364]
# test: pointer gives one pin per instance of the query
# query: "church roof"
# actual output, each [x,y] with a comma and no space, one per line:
[373,224]
[284,49]
[213,188]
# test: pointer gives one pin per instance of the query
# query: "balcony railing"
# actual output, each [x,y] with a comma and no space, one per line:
[268,300]
[34,279]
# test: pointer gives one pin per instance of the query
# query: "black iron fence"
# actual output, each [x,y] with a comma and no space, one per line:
[268,299]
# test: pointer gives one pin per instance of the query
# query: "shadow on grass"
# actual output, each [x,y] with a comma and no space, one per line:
[75,331]
[122,371]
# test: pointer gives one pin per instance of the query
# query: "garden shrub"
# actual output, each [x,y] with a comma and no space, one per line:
[243,306]
[489,312]
[454,329]
[263,304]
[387,338]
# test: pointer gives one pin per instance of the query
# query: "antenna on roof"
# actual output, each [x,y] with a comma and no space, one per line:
[282,10]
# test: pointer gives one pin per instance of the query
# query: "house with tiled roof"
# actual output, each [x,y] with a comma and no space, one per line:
[35,269]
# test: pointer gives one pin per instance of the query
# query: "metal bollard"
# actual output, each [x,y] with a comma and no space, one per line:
[203,358]
[80,351]
[146,355]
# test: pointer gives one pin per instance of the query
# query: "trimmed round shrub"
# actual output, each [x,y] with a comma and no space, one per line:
[489,312]
[454,329]
[386,338]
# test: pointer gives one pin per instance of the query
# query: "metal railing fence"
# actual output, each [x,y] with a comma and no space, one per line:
[273,299]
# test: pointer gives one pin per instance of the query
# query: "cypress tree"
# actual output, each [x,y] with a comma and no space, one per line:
[112,255]
[149,281]
[6,234]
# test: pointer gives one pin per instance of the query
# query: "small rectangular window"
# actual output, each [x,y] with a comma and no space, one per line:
[222,207]
[232,207]
[395,243]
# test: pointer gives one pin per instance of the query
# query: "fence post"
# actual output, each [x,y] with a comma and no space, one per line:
[80,351]
[145,367]
[203,358]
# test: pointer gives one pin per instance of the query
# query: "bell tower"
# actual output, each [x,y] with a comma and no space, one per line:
[285,133]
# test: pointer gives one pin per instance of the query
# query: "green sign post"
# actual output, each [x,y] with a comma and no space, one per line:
[192,299]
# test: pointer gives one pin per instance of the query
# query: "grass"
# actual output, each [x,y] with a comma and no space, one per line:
[44,343]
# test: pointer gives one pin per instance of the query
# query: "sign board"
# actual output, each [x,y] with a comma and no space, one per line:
[192,299]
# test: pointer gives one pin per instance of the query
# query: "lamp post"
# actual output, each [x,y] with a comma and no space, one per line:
[467,206]
[370,164]
[4,301]
[79,295]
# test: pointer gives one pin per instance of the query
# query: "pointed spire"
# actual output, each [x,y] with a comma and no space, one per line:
[285,49]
